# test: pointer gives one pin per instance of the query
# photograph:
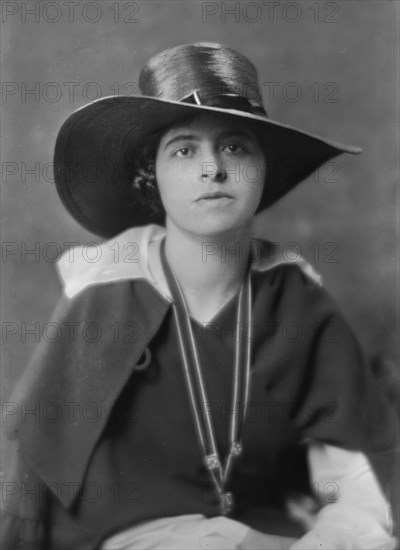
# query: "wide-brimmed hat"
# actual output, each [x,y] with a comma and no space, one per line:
[92,175]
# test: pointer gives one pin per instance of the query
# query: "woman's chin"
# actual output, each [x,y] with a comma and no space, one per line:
[218,228]
[212,223]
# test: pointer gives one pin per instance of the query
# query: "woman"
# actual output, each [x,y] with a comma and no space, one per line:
[184,413]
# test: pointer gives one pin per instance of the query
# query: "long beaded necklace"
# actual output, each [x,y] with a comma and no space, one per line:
[220,473]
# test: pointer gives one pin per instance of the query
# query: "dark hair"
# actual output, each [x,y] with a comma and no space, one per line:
[143,183]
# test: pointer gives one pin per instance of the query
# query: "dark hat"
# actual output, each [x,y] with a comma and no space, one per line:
[92,175]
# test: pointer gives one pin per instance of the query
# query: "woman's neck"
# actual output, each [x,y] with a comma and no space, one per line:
[210,270]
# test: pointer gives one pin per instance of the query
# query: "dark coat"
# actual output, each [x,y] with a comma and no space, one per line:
[102,336]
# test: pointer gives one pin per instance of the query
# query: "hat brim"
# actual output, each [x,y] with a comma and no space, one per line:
[92,142]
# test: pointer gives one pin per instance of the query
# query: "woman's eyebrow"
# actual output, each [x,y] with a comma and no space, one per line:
[181,137]
[234,133]
[223,135]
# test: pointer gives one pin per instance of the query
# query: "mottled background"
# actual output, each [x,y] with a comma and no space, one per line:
[342,58]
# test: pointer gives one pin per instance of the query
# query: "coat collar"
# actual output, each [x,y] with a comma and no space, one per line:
[135,254]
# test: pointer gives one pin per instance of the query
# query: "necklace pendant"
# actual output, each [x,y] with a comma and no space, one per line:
[212,462]
[236,448]
[227,503]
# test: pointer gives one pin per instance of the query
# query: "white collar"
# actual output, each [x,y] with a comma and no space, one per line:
[135,254]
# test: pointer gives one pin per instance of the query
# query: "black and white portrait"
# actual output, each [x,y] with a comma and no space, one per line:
[200,274]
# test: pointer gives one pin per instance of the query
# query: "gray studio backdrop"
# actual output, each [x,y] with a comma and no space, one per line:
[329,67]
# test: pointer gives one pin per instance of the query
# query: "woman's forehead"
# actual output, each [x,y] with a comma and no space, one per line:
[210,124]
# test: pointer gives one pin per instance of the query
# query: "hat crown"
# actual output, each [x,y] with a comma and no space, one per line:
[207,69]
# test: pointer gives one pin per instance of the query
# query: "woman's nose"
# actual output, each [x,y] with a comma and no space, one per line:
[213,168]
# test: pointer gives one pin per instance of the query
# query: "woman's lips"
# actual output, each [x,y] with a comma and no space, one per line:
[214,196]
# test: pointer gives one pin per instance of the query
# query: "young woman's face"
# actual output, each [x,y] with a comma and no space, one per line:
[210,173]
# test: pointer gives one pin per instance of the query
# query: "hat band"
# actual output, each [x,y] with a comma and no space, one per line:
[225,101]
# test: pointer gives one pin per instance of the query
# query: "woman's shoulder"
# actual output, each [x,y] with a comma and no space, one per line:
[289,286]
[282,262]
[289,271]
[124,258]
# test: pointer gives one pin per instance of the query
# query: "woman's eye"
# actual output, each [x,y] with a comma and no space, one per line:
[234,148]
[183,152]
